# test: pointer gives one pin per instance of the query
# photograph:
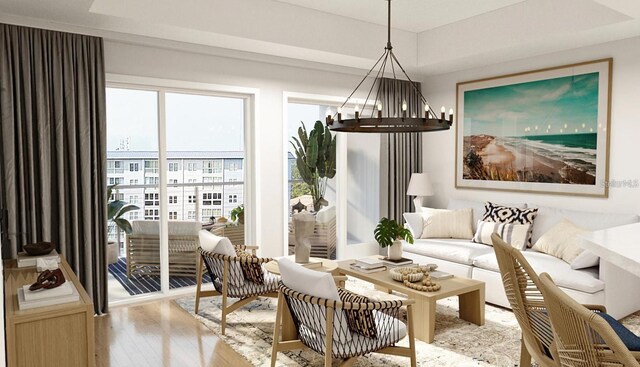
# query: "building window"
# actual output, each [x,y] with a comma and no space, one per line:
[152,199]
[151,166]
[207,179]
[133,182]
[133,215]
[115,167]
[133,199]
[173,199]
[116,180]
[152,214]
[191,215]
[192,199]
[173,215]
[208,213]
[191,180]
[212,166]
[174,166]
[233,198]
[134,167]
[151,180]
[192,166]
[173,181]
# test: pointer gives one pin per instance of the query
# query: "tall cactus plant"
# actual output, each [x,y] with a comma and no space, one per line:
[315,159]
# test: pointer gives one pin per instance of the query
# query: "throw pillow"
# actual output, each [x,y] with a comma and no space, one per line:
[414,223]
[443,223]
[561,241]
[586,259]
[307,281]
[510,214]
[251,271]
[517,235]
[359,321]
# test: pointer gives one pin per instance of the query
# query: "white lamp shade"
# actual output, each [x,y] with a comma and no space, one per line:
[420,185]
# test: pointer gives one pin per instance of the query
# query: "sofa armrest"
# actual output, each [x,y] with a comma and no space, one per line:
[621,290]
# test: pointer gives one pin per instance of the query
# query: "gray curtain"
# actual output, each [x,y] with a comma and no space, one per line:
[53,144]
[401,153]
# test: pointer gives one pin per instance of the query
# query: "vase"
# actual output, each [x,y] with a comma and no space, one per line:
[394,252]
[303,226]
[112,252]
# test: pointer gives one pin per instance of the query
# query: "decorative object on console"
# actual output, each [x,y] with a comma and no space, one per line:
[25,260]
[389,118]
[303,225]
[48,279]
[420,187]
[39,248]
[315,159]
[444,223]
[388,233]
[538,131]
[517,235]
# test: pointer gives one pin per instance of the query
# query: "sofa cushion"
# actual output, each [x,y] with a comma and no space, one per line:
[444,223]
[561,241]
[516,235]
[477,207]
[414,223]
[454,250]
[547,217]
[585,280]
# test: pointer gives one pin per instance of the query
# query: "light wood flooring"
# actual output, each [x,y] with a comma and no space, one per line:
[157,334]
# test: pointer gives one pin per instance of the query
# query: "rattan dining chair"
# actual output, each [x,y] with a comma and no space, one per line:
[322,326]
[229,281]
[522,287]
[582,338]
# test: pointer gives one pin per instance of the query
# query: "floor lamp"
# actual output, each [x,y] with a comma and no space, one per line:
[420,187]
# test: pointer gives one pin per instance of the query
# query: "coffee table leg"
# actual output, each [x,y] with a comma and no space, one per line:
[424,319]
[472,306]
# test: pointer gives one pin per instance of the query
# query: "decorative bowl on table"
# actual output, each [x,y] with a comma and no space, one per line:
[39,248]
[413,274]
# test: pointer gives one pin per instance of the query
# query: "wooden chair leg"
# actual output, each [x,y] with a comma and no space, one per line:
[276,330]
[410,331]
[199,283]
[329,339]
[225,289]
[525,357]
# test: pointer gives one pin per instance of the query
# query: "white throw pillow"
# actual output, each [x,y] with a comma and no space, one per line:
[516,235]
[561,241]
[414,223]
[443,223]
[221,245]
[307,281]
[586,259]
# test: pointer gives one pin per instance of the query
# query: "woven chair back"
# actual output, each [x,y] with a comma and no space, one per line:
[521,285]
[582,338]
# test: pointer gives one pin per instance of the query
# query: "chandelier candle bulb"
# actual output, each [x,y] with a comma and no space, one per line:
[329,117]
[357,111]
[442,111]
[380,110]
[340,114]
[404,109]
[451,115]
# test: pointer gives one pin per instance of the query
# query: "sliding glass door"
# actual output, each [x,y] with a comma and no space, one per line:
[176,164]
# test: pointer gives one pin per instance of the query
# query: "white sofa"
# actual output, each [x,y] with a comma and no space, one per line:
[605,284]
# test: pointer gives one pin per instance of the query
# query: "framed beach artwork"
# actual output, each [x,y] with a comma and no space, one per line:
[541,131]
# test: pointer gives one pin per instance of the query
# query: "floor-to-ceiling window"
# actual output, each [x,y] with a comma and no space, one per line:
[179,156]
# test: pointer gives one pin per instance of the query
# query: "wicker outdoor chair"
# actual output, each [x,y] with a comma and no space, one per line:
[521,284]
[321,325]
[229,281]
[582,338]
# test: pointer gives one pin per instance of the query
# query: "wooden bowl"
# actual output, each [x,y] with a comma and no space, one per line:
[39,248]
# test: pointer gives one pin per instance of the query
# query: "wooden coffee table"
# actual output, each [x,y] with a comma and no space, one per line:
[470,294]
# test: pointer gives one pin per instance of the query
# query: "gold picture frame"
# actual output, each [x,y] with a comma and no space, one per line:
[540,131]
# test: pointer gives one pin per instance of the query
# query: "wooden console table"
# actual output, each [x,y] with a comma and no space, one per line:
[60,335]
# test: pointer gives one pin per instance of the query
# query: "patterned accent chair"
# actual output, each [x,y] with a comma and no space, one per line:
[322,324]
[219,258]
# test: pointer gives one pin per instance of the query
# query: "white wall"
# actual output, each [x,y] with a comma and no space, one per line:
[271,80]
[439,148]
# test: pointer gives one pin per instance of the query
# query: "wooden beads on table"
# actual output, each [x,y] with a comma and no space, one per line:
[426,286]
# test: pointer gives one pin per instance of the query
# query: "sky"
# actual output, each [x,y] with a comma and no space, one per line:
[551,106]
[194,122]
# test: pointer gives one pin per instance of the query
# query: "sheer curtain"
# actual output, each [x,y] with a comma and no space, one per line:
[401,153]
[52,154]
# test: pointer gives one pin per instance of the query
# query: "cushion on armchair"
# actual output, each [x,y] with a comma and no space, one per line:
[251,271]
[307,281]
[360,321]
[221,245]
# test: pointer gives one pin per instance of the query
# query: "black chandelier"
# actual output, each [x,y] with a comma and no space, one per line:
[376,123]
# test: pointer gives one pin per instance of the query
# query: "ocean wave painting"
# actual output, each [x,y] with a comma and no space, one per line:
[536,131]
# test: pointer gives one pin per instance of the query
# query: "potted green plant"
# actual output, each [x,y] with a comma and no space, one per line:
[388,233]
[116,209]
[237,214]
[315,160]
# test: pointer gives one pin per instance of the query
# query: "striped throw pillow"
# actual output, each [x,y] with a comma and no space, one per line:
[517,235]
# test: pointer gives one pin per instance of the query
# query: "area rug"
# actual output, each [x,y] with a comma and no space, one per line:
[457,343]
[143,283]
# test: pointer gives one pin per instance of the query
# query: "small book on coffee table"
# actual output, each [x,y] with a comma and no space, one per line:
[399,262]
[369,263]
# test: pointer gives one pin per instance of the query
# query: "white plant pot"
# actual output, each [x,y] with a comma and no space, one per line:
[394,252]
[112,252]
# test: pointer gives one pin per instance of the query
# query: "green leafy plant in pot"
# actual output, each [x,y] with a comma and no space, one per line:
[116,209]
[237,214]
[388,233]
[315,159]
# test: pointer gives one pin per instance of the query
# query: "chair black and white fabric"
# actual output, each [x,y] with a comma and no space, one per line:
[225,267]
[322,320]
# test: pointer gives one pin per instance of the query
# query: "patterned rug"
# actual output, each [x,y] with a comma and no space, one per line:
[139,284]
[457,342]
